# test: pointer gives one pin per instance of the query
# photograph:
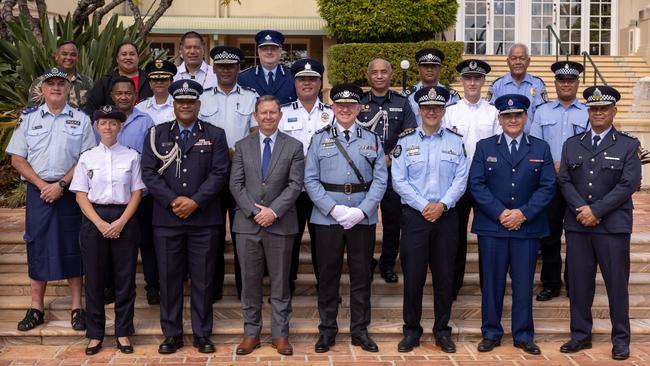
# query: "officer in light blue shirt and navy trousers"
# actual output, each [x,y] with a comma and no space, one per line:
[429,172]
[512,181]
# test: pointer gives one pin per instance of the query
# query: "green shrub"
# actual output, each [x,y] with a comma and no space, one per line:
[348,62]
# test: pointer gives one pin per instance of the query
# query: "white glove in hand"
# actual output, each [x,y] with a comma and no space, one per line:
[338,212]
[353,217]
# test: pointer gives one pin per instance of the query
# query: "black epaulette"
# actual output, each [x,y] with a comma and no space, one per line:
[454,132]
[396,94]
[497,79]
[452,91]
[87,150]
[408,91]
[204,90]
[285,105]
[406,132]
[31,109]
[627,134]
[580,136]
[537,77]
[324,129]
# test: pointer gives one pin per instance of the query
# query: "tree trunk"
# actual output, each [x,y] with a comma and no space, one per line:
[6,15]
[162,7]
[33,22]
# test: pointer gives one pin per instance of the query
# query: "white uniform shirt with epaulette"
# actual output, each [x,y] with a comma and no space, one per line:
[51,144]
[160,113]
[410,93]
[472,121]
[233,112]
[204,75]
[300,124]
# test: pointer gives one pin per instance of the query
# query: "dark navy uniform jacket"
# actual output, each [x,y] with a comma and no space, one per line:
[203,172]
[499,181]
[399,113]
[283,87]
[604,179]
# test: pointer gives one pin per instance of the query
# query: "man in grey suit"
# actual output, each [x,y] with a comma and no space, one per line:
[265,181]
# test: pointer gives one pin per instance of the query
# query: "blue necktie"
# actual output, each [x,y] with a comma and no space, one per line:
[266,156]
[513,147]
[270,80]
[184,135]
[595,144]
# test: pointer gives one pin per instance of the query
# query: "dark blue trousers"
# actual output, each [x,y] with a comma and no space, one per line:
[498,257]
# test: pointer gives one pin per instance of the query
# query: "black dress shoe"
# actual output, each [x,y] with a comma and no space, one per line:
[548,294]
[389,276]
[78,319]
[487,345]
[170,345]
[126,348]
[203,344]
[573,346]
[365,342]
[620,353]
[408,343]
[528,347]
[324,343]
[446,344]
[95,349]
[153,296]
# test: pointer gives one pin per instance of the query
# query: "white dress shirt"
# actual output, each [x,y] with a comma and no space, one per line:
[300,124]
[204,75]
[108,174]
[160,113]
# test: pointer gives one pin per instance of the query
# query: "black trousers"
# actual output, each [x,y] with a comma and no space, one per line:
[463,209]
[551,245]
[147,250]
[428,245]
[391,211]
[304,206]
[193,250]
[611,252]
[228,205]
[331,242]
[120,256]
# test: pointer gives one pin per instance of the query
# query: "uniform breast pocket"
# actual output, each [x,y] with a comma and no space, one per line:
[73,140]
[123,174]
[415,165]
[36,137]
[368,154]
[611,170]
[535,168]
[490,168]
[448,164]
[328,158]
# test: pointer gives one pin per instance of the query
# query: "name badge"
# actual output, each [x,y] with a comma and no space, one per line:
[611,158]
[167,144]
[395,109]
[292,119]
[72,122]
[37,127]
[491,159]
[536,160]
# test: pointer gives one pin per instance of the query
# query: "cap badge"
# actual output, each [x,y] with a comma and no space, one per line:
[186,85]
[472,65]
[307,66]
[159,64]
[510,103]
[597,94]
[429,56]
[268,37]
[324,117]
[346,94]
[107,109]
[566,66]
[54,70]
[432,94]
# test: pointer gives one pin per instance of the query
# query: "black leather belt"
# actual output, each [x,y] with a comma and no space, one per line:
[347,188]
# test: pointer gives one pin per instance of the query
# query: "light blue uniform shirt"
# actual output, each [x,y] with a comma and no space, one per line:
[232,112]
[429,168]
[531,86]
[453,99]
[509,141]
[51,144]
[159,113]
[326,164]
[134,130]
[555,124]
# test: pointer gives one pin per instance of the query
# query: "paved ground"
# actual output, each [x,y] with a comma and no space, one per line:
[342,354]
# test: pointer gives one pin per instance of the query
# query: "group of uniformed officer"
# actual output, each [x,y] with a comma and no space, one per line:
[527,167]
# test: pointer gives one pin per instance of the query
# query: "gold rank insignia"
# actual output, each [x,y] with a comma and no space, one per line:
[159,64]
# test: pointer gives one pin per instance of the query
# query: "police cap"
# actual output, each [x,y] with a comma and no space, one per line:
[473,67]
[55,72]
[185,89]
[601,95]
[109,111]
[512,103]
[429,56]
[160,69]
[307,67]
[226,55]
[432,95]
[567,69]
[346,93]
[269,37]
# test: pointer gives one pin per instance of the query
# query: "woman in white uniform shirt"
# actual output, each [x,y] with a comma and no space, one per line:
[108,186]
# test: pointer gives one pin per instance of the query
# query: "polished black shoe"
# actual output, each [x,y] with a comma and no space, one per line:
[547,294]
[529,347]
[32,318]
[389,276]
[365,342]
[94,350]
[487,345]
[446,344]
[407,344]
[109,296]
[170,345]
[573,346]
[620,353]
[324,343]
[153,296]
[124,348]
[203,344]
[78,319]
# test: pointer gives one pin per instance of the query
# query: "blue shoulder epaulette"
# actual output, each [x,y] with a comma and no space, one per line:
[326,128]
[285,105]
[627,134]
[497,79]
[31,109]
[406,132]
[454,132]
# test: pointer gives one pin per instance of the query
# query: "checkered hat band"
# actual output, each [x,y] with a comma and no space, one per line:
[226,56]
[426,100]
[427,59]
[565,71]
[607,99]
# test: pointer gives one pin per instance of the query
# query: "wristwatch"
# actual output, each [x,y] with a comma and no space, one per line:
[444,207]
[63,184]
[255,211]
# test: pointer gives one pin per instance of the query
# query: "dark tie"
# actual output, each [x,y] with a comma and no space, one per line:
[184,135]
[596,139]
[513,147]
[266,156]
[347,135]
[270,80]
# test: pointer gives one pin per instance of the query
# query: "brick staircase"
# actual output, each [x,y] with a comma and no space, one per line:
[551,318]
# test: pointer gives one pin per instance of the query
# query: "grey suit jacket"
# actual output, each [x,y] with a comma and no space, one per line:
[278,191]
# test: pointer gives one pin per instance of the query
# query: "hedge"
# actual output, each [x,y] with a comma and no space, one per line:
[349,62]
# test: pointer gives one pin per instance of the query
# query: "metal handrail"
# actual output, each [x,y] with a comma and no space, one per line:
[558,43]
[585,57]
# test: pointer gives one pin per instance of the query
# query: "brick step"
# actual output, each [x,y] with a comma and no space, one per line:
[18,284]
[230,331]
[383,307]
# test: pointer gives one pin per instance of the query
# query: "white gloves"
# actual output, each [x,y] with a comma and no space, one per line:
[347,216]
